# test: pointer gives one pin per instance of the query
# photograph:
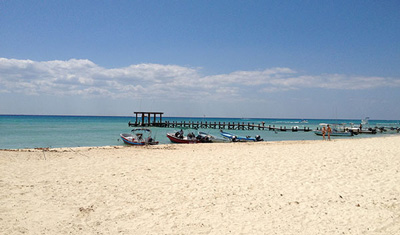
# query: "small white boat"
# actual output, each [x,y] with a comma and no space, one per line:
[304,121]
[365,128]
[138,137]
[210,138]
[337,130]
[334,133]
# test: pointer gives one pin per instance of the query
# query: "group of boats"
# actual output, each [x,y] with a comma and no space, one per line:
[142,136]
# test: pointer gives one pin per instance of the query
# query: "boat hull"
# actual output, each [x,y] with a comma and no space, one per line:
[371,132]
[345,134]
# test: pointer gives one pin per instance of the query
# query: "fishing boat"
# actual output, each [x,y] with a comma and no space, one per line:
[365,128]
[337,130]
[210,138]
[335,133]
[361,129]
[179,138]
[139,136]
[236,138]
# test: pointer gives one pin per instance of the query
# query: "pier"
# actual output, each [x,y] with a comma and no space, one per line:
[232,126]
[154,119]
[149,119]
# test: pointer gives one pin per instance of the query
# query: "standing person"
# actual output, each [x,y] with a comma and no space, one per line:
[323,133]
[329,130]
[181,134]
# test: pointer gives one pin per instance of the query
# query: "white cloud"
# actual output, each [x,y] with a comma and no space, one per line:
[85,78]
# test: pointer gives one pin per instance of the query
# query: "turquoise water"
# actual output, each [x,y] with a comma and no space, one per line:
[20,131]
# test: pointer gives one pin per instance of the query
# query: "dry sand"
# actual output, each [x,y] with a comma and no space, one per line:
[300,187]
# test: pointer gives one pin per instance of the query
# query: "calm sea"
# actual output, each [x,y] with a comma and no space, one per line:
[25,131]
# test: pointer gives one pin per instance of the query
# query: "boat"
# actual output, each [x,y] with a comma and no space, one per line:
[364,127]
[361,129]
[210,138]
[304,121]
[236,138]
[337,130]
[334,133]
[179,138]
[140,136]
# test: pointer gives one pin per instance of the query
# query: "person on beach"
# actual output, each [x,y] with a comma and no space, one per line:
[329,130]
[323,133]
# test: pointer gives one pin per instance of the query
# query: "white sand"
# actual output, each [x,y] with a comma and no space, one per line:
[301,187]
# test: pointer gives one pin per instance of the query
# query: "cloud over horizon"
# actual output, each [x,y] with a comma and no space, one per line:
[84,78]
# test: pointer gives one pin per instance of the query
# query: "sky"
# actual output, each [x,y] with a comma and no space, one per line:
[251,59]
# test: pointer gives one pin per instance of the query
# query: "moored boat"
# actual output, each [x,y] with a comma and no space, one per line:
[235,138]
[334,133]
[210,138]
[365,128]
[180,139]
[139,136]
[337,130]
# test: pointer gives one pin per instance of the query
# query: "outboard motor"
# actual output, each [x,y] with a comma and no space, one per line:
[258,138]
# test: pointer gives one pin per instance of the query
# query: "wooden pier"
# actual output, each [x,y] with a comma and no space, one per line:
[143,119]
[231,126]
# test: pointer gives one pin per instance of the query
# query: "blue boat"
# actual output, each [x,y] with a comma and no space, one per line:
[236,138]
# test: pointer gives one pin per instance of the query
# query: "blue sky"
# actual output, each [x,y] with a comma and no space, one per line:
[272,59]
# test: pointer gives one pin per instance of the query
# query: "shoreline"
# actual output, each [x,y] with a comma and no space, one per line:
[348,186]
[201,144]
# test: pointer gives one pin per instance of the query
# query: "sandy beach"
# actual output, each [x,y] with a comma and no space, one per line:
[347,186]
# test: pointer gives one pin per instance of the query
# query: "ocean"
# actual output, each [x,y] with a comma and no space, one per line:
[28,131]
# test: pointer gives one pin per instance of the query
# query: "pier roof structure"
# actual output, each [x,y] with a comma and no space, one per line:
[146,118]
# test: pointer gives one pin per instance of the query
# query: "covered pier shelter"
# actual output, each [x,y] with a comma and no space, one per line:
[145,119]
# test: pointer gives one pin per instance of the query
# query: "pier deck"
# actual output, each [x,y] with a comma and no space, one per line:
[217,125]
